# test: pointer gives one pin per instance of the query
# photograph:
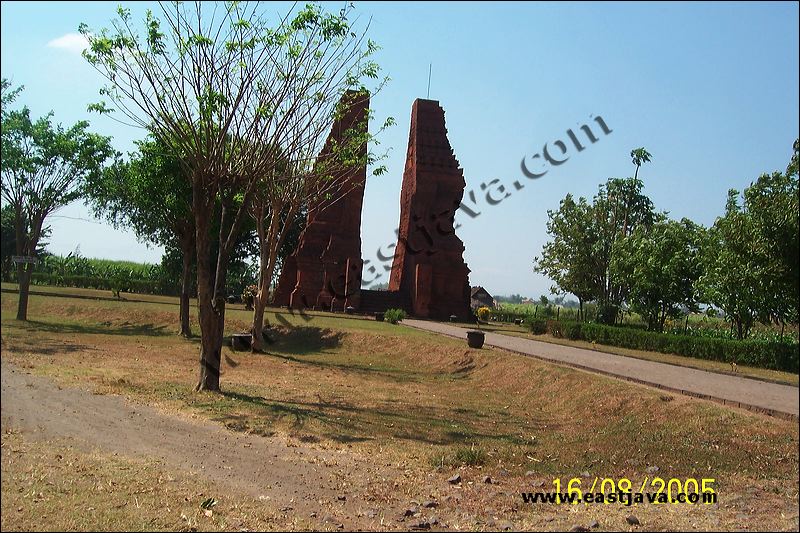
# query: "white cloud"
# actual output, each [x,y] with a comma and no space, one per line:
[72,42]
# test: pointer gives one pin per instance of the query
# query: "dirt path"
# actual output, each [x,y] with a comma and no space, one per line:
[772,398]
[297,479]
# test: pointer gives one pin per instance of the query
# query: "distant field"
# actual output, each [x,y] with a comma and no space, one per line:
[131,265]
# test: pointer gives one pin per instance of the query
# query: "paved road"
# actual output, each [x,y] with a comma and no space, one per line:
[772,398]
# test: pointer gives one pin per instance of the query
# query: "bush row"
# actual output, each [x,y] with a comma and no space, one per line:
[764,354]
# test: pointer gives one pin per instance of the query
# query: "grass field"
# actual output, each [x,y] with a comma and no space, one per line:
[425,402]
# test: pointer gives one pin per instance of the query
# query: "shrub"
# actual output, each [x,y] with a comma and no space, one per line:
[538,326]
[483,313]
[394,315]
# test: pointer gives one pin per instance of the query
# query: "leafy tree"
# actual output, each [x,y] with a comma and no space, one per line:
[44,167]
[8,240]
[773,203]
[568,259]
[751,256]
[732,278]
[578,258]
[151,195]
[619,209]
[230,94]
[661,266]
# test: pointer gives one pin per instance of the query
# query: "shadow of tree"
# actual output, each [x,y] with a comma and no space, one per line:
[300,340]
[41,346]
[150,330]
[343,422]
[395,373]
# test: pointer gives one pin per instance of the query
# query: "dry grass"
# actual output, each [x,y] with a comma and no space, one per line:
[412,397]
[49,485]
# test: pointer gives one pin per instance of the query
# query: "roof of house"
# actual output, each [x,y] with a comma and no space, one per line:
[476,290]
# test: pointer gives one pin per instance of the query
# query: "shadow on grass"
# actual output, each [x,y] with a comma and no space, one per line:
[394,373]
[345,423]
[298,414]
[150,330]
[44,346]
[303,340]
[292,343]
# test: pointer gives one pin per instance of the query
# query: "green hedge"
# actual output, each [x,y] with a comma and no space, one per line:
[763,354]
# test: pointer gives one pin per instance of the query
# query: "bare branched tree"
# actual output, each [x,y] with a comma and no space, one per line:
[310,176]
[234,96]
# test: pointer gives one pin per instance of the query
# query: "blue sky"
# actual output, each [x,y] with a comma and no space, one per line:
[710,89]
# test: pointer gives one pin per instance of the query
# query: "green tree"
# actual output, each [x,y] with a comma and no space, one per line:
[569,258]
[732,271]
[151,195]
[579,255]
[660,266]
[772,207]
[619,208]
[44,167]
[751,256]
[8,240]
[230,94]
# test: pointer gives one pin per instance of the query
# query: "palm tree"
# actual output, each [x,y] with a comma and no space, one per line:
[639,156]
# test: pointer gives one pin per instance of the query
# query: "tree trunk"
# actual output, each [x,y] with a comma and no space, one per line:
[186,286]
[210,300]
[211,283]
[24,271]
[267,258]
[210,332]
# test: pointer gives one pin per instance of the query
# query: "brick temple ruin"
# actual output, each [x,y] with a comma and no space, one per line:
[428,263]
[429,278]
[325,270]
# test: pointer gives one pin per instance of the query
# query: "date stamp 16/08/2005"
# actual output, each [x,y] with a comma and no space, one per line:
[654,490]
